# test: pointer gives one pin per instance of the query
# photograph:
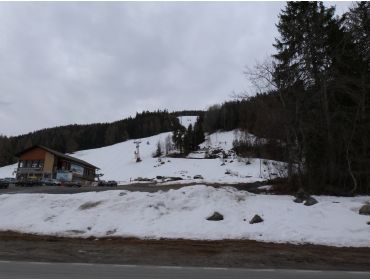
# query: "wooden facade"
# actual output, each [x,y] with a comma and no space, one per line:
[39,162]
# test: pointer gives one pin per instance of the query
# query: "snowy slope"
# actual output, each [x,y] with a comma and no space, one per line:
[187,120]
[117,162]
[182,213]
[7,171]
[225,139]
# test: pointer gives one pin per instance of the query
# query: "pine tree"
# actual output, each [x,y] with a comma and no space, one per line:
[198,132]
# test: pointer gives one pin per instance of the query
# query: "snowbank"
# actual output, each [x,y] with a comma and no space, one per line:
[182,213]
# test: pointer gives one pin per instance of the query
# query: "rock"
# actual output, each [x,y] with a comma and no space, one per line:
[227,172]
[364,210]
[310,201]
[215,217]
[298,200]
[159,177]
[256,219]
[368,223]
[198,177]
[222,164]
[302,194]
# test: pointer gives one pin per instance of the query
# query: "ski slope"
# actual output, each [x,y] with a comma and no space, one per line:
[187,120]
[117,162]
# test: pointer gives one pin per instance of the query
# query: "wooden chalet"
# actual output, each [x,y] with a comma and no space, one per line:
[39,162]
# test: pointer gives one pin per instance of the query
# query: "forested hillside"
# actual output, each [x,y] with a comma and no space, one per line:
[314,97]
[71,138]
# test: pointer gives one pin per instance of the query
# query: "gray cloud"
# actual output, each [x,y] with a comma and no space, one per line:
[73,62]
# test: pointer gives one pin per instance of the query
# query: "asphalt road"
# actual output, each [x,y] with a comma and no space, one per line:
[85,270]
[70,190]
[141,187]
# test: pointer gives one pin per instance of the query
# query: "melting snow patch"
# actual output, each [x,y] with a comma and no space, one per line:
[183,213]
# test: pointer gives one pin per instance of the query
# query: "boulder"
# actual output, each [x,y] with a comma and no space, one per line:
[198,177]
[256,219]
[298,200]
[368,223]
[365,210]
[310,201]
[216,217]
[301,194]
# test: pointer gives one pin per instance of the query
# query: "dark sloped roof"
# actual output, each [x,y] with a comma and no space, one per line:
[58,154]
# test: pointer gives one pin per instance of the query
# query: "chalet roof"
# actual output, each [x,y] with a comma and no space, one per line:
[58,154]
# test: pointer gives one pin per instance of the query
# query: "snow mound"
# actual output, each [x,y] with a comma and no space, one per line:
[183,213]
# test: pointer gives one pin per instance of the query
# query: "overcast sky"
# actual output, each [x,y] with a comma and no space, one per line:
[66,62]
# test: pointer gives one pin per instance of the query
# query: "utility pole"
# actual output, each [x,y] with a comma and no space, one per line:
[260,168]
[137,152]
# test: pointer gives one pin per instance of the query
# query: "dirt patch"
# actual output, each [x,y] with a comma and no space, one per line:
[89,205]
[225,253]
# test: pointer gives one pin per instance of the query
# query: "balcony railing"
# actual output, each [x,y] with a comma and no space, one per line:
[28,169]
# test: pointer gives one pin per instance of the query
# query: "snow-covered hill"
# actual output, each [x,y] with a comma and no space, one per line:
[117,162]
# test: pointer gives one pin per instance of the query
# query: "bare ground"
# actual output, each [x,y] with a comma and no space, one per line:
[225,253]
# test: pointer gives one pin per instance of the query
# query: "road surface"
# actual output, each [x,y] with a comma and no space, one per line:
[141,187]
[85,270]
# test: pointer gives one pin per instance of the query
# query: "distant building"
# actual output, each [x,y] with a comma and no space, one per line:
[39,162]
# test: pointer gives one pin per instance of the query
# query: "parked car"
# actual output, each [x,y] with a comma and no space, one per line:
[111,183]
[50,182]
[4,184]
[71,184]
[101,183]
[10,180]
[28,183]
